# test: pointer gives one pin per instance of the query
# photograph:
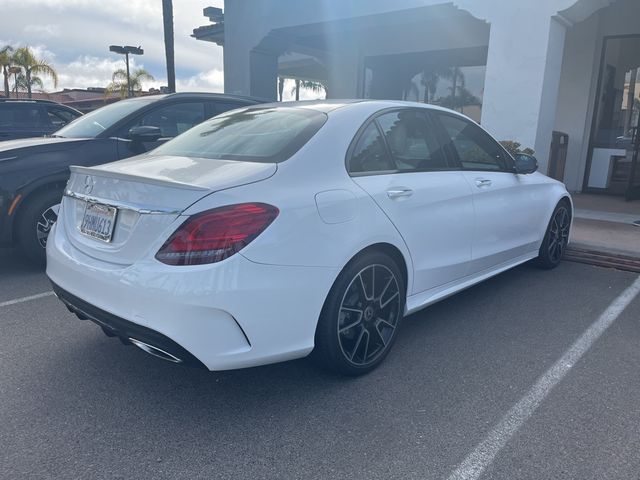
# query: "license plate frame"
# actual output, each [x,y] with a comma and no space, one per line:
[98,221]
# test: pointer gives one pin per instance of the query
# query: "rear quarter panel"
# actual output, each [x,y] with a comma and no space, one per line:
[300,236]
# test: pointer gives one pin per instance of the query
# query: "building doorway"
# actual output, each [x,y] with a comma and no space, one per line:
[613,166]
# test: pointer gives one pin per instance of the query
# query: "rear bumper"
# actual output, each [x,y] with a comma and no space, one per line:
[233,314]
[125,330]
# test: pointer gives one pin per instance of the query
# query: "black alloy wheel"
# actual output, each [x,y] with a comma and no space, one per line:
[556,238]
[361,316]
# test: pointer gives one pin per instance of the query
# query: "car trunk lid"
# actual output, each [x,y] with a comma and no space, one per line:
[148,193]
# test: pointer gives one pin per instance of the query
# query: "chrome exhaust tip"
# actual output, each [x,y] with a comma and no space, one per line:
[155,351]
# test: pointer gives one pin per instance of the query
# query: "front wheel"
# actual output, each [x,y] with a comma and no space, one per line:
[35,222]
[360,319]
[556,238]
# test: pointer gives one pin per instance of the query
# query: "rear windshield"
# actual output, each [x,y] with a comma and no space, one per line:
[265,135]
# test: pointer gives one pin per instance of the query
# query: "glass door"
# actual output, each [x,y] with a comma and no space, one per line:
[613,153]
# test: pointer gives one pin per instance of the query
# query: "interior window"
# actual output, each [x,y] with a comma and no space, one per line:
[172,119]
[476,150]
[412,142]
[370,154]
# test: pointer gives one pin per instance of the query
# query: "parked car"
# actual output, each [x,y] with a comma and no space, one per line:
[33,172]
[33,118]
[271,231]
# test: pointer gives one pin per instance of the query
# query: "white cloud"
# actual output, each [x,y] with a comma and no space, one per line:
[43,31]
[89,71]
[77,33]
[210,81]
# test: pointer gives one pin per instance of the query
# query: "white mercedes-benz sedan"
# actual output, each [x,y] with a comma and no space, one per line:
[273,231]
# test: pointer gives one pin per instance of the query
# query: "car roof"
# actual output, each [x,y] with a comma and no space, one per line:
[208,95]
[327,106]
[27,100]
[324,106]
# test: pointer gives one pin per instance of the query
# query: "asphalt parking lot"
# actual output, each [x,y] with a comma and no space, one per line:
[458,387]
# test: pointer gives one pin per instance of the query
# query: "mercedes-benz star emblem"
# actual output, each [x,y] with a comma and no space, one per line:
[89,182]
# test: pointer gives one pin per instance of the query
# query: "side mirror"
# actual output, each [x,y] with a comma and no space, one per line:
[525,164]
[145,133]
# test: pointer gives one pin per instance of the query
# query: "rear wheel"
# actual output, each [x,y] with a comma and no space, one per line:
[556,238]
[360,319]
[35,222]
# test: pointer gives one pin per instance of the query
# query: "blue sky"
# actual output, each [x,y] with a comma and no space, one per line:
[74,35]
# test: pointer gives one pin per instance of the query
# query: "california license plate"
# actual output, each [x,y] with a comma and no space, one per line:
[98,221]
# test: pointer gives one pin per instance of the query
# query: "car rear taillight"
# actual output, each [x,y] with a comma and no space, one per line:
[214,235]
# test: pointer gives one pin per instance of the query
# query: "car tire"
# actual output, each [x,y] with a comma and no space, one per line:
[34,223]
[556,238]
[361,315]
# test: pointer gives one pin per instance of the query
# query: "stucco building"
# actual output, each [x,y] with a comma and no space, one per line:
[523,69]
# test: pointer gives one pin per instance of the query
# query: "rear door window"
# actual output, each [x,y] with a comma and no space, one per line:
[370,154]
[23,116]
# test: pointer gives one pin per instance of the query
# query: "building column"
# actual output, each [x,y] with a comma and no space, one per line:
[343,68]
[263,74]
[522,81]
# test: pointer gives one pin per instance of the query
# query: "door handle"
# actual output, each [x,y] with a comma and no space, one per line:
[399,193]
[483,182]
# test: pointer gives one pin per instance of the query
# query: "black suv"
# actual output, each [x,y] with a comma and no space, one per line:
[34,172]
[33,118]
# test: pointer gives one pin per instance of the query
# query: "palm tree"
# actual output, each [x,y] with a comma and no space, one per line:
[119,81]
[463,98]
[167,17]
[315,87]
[24,85]
[6,57]
[25,58]
[431,78]
[280,87]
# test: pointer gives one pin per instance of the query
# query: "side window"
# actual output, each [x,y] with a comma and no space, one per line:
[23,116]
[475,148]
[172,119]
[6,115]
[217,108]
[58,117]
[370,153]
[412,141]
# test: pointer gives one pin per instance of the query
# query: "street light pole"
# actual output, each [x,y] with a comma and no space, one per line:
[126,50]
[126,56]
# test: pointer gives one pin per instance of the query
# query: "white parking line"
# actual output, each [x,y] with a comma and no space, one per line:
[484,454]
[25,299]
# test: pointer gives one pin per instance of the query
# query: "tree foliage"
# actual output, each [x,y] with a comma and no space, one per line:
[119,81]
[6,60]
[32,67]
